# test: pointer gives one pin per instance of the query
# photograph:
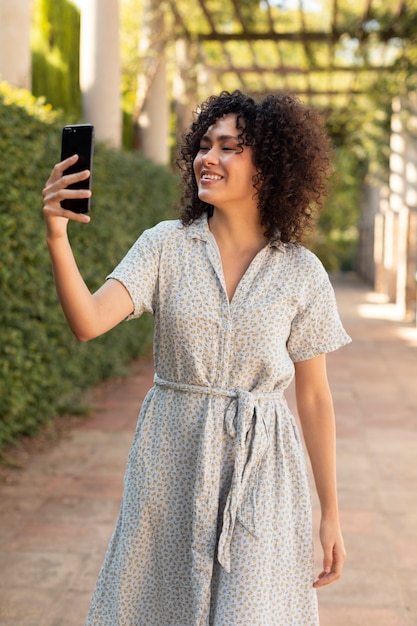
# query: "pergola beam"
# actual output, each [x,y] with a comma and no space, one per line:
[299,55]
[288,70]
[302,37]
[313,92]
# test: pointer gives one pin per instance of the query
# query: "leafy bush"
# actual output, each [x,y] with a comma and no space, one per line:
[42,366]
[56,54]
[336,238]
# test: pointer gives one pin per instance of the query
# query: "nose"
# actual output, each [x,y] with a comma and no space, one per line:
[211,156]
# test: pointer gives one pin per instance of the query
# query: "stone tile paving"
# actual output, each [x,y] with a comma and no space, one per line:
[57,514]
[374,381]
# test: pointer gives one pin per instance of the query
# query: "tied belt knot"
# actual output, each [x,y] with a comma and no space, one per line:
[245,424]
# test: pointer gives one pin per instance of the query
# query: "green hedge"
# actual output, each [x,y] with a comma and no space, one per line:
[43,367]
[56,54]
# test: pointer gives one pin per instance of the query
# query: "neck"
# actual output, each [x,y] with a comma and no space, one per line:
[241,231]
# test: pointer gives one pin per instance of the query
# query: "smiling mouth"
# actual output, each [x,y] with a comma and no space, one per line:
[211,177]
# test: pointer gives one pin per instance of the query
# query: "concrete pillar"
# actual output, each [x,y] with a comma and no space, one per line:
[185,86]
[390,252]
[15,52]
[151,116]
[100,69]
[380,237]
[411,203]
[398,161]
[370,206]
[411,297]
[379,226]
[154,118]
[402,251]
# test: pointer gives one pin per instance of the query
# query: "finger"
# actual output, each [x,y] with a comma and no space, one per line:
[59,168]
[63,165]
[332,569]
[77,217]
[57,191]
[68,179]
[53,199]
[67,214]
[76,177]
[328,559]
[58,176]
[326,579]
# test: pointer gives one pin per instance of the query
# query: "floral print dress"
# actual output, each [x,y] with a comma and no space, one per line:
[215,522]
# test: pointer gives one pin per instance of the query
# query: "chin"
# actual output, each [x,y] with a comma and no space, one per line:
[205,197]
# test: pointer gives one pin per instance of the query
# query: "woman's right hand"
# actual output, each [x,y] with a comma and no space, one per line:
[56,190]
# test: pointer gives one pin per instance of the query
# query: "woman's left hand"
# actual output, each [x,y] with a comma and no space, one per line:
[334,552]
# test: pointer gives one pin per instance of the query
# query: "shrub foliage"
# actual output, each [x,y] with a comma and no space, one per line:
[55,53]
[43,367]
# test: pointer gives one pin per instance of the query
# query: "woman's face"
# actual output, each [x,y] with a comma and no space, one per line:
[223,168]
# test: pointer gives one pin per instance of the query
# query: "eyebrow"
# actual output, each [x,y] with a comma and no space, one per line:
[220,138]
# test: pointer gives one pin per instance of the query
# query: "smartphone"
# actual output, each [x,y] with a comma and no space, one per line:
[78,139]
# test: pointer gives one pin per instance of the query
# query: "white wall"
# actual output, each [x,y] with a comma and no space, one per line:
[15,52]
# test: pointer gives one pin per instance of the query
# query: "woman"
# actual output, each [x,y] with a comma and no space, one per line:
[215,523]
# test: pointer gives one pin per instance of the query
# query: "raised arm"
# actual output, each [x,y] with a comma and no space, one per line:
[88,315]
[315,409]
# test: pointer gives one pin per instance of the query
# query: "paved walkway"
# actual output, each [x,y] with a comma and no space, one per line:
[56,515]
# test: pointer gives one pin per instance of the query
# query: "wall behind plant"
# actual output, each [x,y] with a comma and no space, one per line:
[43,367]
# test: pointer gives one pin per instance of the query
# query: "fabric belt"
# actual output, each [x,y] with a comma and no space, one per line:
[245,423]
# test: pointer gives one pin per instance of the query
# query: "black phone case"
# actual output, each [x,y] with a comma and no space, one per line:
[78,139]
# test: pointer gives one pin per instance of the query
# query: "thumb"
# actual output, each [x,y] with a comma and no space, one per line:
[327,560]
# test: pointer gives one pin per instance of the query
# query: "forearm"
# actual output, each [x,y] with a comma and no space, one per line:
[88,315]
[315,410]
[317,419]
[77,302]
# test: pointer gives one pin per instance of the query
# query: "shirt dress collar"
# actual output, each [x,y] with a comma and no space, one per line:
[200,230]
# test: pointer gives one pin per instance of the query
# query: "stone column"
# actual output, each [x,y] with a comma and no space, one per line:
[100,69]
[397,201]
[185,87]
[411,202]
[380,242]
[15,52]
[154,118]
[411,302]
[151,115]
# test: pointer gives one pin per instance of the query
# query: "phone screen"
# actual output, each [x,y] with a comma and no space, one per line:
[78,139]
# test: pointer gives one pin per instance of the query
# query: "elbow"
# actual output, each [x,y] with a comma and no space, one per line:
[82,336]
[83,339]
[81,329]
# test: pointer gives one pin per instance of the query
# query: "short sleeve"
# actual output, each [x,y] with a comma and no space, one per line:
[138,272]
[317,328]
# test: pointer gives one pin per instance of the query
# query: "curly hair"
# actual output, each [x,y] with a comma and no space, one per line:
[290,151]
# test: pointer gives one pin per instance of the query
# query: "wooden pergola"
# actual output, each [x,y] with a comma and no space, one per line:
[332,54]
[271,45]
[326,51]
